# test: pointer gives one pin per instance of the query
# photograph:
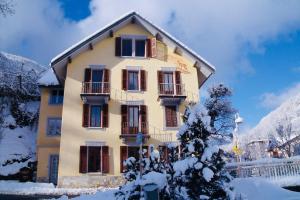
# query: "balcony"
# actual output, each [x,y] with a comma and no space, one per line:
[95,91]
[171,93]
[130,130]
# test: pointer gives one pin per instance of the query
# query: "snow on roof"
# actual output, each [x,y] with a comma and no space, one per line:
[48,78]
[101,31]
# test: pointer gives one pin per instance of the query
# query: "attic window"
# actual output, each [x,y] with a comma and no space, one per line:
[133,46]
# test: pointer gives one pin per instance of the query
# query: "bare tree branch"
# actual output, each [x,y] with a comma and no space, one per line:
[6,7]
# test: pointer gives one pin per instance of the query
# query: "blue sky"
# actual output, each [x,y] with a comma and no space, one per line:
[255,47]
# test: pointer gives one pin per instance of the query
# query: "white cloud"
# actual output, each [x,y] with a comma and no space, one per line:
[272,100]
[221,31]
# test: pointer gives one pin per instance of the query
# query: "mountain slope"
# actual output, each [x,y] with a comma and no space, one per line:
[288,113]
[19,106]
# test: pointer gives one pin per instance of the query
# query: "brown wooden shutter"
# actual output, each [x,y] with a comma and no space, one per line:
[178,82]
[143,80]
[123,157]
[87,78]
[160,79]
[124,119]
[106,86]
[86,115]
[124,79]
[143,115]
[83,159]
[151,47]
[118,46]
[105,116]
[87,74]
[105,159]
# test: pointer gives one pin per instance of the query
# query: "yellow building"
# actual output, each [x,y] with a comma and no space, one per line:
[128,77]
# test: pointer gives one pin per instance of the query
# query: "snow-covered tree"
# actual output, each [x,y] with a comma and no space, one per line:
[152,167]
[220,109]
[199,174]
[284,133]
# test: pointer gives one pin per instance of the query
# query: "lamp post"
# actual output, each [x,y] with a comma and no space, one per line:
[139,141]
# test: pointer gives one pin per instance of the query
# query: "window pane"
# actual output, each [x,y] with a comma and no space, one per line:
[126,47]
[140,48]
[56,97]
[60,97]
[54,127]
[133,81]
[94,159]
[133,116]
[95,116]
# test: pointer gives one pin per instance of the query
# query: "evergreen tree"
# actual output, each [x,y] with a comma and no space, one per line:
[220,109]
[199,174]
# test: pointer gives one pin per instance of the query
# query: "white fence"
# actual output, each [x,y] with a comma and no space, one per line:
[271,169]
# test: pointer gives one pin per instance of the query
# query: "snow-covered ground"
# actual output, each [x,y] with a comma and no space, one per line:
[248,188]
[260,189]
[29,188]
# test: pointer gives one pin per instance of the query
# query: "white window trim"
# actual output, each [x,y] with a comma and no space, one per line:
[101,120]
[139,80]
[97,66]
[47,129]
[133,39]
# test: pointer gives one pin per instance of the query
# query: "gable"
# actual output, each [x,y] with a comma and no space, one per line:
[129,21]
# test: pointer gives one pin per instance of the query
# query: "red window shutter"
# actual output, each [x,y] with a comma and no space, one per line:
[124,79]
[178,82]
[83,159]
[151,47]
[124,119]
[87,74]
[105,116]
[143,115]
[106,86]
[118,46]
[123,157]
[105,159]
[174,116]
[143,80]
[86,115]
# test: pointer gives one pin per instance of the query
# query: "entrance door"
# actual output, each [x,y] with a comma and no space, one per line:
[53,169]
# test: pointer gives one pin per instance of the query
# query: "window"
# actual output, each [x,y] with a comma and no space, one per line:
[95,116]
[133,80]
[94,159]
[56,97]
[171,116]
[133,47]
[126,47]
[54,126]
[133,116]
[168,84]
[140,48]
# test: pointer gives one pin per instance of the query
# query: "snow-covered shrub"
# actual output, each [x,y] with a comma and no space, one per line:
[199,173]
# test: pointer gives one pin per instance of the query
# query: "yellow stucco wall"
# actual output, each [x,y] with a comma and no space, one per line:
[46,145]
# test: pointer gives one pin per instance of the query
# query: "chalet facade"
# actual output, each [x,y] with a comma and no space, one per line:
[127,78]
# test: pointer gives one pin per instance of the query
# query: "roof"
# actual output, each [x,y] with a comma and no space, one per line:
[62,58]
[48,78]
